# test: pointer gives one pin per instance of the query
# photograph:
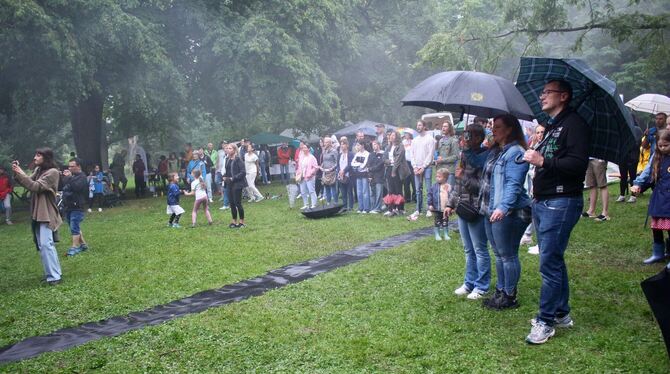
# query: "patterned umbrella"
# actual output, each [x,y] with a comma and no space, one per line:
[594,97]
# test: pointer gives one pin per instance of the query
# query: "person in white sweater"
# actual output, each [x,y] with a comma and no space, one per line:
[423,151]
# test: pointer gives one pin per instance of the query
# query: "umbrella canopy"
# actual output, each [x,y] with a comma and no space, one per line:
[407,130]
[269,138]
[300,135]
[368,128]
[471,92]
[594,97]
[650,103]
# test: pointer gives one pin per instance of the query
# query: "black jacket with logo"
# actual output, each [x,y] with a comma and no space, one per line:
[75,191]
[566,157]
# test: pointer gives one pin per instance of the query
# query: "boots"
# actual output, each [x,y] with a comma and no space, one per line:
[436,230]
[445,230]
[657,253]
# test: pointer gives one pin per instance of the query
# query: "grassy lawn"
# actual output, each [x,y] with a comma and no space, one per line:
[394,312]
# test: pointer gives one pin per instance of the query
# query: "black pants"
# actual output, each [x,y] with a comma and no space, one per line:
[628,171]
[394,186]
[408,183]
[236,202]
[174,218]
[140,185]
[97,197]
[440,221]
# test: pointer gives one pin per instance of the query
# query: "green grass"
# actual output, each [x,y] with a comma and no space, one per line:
[394,312]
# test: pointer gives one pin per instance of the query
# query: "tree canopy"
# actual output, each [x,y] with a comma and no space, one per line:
[89,73]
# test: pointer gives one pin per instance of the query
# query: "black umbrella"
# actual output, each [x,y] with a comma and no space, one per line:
[469,92]
[657,291]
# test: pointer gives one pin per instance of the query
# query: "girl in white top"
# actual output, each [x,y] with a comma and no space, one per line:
[199,189]
[251,166]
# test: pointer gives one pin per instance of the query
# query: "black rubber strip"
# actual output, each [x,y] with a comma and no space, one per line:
[73,336]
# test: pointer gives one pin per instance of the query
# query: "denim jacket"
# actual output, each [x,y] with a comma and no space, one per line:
[507,181]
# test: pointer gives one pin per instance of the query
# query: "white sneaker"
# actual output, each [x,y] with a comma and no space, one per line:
[99,209]
[211,200]
[447,237]
[476,295]
[526,239]
[462,291]
[224,207]
[621,199]
[89,210]
[304,207]
[313,207]
[414,216]
[632,199]
[429,213]
[534,250]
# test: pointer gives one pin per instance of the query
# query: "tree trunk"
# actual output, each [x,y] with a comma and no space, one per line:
[86,118]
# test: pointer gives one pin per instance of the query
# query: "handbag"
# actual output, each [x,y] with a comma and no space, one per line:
[467,210]
[329,178]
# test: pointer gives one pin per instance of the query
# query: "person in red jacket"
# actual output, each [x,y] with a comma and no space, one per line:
[283,156]
[6,193]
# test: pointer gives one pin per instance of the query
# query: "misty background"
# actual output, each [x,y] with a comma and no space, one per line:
[85,75]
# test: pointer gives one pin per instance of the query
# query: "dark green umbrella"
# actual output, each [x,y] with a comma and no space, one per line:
[594,97]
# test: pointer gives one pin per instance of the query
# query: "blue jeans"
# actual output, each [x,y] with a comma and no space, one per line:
[308,191]
[347,194]
[504,237]
[74,218]
[419,182]
[554,220]
[226,195]
[477,258]
[330,192]
[264,173]
[363,192]
[283,173]
[48,254]
[377,197]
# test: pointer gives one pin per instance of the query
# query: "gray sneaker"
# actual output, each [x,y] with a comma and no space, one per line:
[540,332]
[563,322]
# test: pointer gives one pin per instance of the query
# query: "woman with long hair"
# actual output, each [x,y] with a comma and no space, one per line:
[344,182]
[235,179]
[307,171]
[46,219]
[506,206]
[397,171]
[329,169]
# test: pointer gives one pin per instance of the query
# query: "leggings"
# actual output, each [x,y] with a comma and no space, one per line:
[236,202]
[196,205]
[628,171]
[658,236]
[96,197]
[174,218]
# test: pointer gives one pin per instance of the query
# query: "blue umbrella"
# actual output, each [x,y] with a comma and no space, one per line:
[469,92]
[594,97]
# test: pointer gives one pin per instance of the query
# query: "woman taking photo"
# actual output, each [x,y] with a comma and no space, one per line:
[235,180]
[397,171]
[506,206]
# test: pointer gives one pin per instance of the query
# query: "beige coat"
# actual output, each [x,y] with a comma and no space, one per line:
[43,206]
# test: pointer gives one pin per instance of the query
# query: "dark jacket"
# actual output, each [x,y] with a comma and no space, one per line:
[173,194]
[398,162]
[376,167]
[468,185]
[659,203]
[565,157]
[75,191]
[237,173]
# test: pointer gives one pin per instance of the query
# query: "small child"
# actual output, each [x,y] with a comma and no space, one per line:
[438,197]
[96,188]
[199,189]
[173,209]
[657,174]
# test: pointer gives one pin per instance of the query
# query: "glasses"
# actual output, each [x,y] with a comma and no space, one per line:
[547,92]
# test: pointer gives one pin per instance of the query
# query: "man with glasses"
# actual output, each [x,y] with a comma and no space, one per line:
[560,163]
[75,190]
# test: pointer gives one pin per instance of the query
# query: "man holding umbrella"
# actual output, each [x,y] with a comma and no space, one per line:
[561,160]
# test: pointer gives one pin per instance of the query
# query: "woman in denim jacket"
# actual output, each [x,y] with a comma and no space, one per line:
[506,206]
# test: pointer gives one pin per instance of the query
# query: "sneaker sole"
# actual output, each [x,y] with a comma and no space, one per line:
[541,341]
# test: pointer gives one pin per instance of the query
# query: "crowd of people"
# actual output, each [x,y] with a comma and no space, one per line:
[499,182]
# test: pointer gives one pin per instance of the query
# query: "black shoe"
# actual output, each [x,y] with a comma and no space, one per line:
[241,225]
[53,282]
[232,226]
[508,302]
[493,301]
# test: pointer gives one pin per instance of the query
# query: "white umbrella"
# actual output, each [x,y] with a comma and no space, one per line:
[650,103]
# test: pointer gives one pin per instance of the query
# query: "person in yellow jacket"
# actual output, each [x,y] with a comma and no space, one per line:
[645,152]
